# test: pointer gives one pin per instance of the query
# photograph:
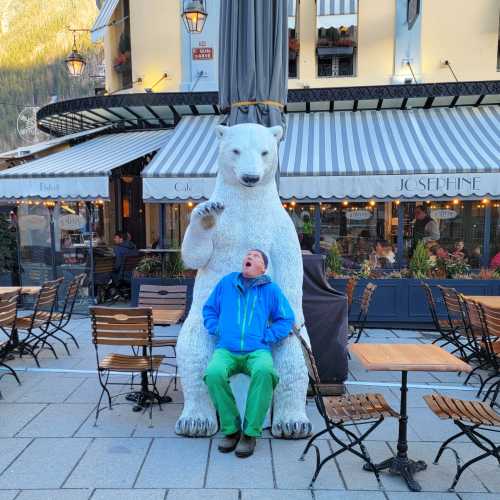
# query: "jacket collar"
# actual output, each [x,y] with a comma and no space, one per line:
[263,279]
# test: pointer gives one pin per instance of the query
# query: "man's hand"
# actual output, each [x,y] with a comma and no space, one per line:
[206,214]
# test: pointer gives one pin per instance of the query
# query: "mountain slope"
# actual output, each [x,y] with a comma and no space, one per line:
[34,40]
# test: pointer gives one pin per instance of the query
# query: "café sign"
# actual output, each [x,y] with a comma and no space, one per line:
[431,185]
[358,215]
[443,214]
[71,222]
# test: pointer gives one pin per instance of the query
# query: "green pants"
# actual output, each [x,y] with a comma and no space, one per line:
[263,379]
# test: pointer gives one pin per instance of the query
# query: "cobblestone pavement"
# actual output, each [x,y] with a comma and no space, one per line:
[50,449]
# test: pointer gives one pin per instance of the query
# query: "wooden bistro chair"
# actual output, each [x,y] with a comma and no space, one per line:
[357,327]
[128,327]
[34,329]
[470,417]
[341,412]
[349,291]
[169,308]
[60,320]
[8,314]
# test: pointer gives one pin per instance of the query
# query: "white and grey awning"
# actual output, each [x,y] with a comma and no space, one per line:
[391,154]
[105,14]
[336,7]
[80,172]
[25,151]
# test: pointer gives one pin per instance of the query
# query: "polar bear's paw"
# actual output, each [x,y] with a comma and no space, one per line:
[291,428]
[207,213]
[196,425]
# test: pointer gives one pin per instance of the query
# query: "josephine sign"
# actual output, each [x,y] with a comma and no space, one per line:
[432,185]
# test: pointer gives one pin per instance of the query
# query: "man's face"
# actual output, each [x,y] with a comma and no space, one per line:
[253,264]
[419,214]
[117,239]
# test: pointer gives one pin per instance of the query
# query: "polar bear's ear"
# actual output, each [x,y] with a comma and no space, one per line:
[220,130]
[277,132]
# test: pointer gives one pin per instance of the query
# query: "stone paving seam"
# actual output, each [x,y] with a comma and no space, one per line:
[91,440]
[142,463]
[273,470]
[76,388]
[17,456]
[45,406]
[84,421]
[205,476]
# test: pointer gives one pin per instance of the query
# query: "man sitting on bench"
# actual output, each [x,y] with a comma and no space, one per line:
[247,313]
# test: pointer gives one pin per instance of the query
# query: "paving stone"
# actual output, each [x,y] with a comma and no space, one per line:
[109,463]
[294,474]
[164,422]
[57,420]
[153,494]
[275,495]
[121,421]
[11,448]
[55,495]
[348,495]
[388,430]
[8,494]
[45,463]
[206,494]
[11,390]
[410,495]
[16,416]
[175,463]
[225,470]
[479,496]
[52,389]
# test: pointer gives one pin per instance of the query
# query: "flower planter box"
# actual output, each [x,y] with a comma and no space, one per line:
[401,303]
[5,279]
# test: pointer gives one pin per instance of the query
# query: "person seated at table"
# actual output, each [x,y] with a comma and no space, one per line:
[122,249]
[382,256]
[459,250]
[495,261]
[246,313]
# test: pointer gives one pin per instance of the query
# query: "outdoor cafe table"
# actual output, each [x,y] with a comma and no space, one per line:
[144,397]
[492,301]
[405,358]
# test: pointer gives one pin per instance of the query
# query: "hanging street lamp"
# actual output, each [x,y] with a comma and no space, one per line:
[75,62]
[194,15]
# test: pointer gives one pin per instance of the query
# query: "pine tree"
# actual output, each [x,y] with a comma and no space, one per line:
[8,246]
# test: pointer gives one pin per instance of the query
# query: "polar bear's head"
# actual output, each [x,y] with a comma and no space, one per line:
[248,154]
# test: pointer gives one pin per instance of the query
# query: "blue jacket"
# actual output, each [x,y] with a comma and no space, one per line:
[244,320]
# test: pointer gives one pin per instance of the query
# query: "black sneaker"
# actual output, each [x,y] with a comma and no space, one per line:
[229,443]
[246,446]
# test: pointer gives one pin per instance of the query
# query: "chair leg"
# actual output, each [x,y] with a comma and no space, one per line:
[445,444]
[10,372]
[71,336]
[461,470]
[310,442]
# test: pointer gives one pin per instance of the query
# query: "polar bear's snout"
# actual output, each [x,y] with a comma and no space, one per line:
[250,180]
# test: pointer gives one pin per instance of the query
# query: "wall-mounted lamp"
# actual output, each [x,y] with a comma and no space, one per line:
[194,15]
[149,90]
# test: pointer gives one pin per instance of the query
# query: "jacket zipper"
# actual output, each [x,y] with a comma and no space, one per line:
[242,337]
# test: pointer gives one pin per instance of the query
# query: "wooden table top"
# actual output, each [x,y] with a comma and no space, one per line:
[407,357]
[167,316]
[25,290]
[487,300]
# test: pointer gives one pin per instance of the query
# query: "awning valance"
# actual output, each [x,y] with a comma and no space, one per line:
[336,7]
[80,172]
[437,152]
[105,14]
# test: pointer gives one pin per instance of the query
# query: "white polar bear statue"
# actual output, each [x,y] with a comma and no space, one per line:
[244,212]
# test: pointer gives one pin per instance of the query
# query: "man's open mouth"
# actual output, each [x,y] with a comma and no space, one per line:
[248,264]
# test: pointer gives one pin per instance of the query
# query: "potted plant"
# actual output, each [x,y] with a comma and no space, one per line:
[420,263]
[148,267]
[334,261]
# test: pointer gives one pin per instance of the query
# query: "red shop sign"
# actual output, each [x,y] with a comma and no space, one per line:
[200,53]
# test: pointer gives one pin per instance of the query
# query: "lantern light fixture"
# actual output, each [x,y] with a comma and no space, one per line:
[194,15]
[75,62]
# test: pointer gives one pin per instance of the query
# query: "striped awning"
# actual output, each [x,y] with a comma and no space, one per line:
[437,152]
[105,14]
[336,7]
[291,6]
[80,172]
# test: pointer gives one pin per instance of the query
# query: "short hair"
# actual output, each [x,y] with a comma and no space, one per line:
[121,235]
[422,208]
[262,254]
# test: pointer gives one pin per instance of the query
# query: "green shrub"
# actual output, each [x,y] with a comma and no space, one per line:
[334,260]
[420,264]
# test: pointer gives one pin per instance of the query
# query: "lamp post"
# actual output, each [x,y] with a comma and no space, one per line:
[194,15]
[75,62]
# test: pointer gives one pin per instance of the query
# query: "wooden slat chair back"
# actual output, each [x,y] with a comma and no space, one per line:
[470,417]
[357,327]
[349,291]
[128,327]
[453,305]
[338,412]
[169,297]
[432,306]
[103,265]
[131,262]
[8,315]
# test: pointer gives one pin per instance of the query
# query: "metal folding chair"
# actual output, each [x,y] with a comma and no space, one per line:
[8,314]
[341,412]
[357,327]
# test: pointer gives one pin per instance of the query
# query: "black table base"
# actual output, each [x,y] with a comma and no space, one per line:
[145,397]
[401,464]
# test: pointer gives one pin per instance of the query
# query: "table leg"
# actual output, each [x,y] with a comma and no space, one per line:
[401,464]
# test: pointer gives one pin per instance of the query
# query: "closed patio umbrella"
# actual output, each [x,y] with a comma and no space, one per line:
[253,62]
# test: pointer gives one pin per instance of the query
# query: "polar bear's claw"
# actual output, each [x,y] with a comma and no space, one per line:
[195,427]
[291,430]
